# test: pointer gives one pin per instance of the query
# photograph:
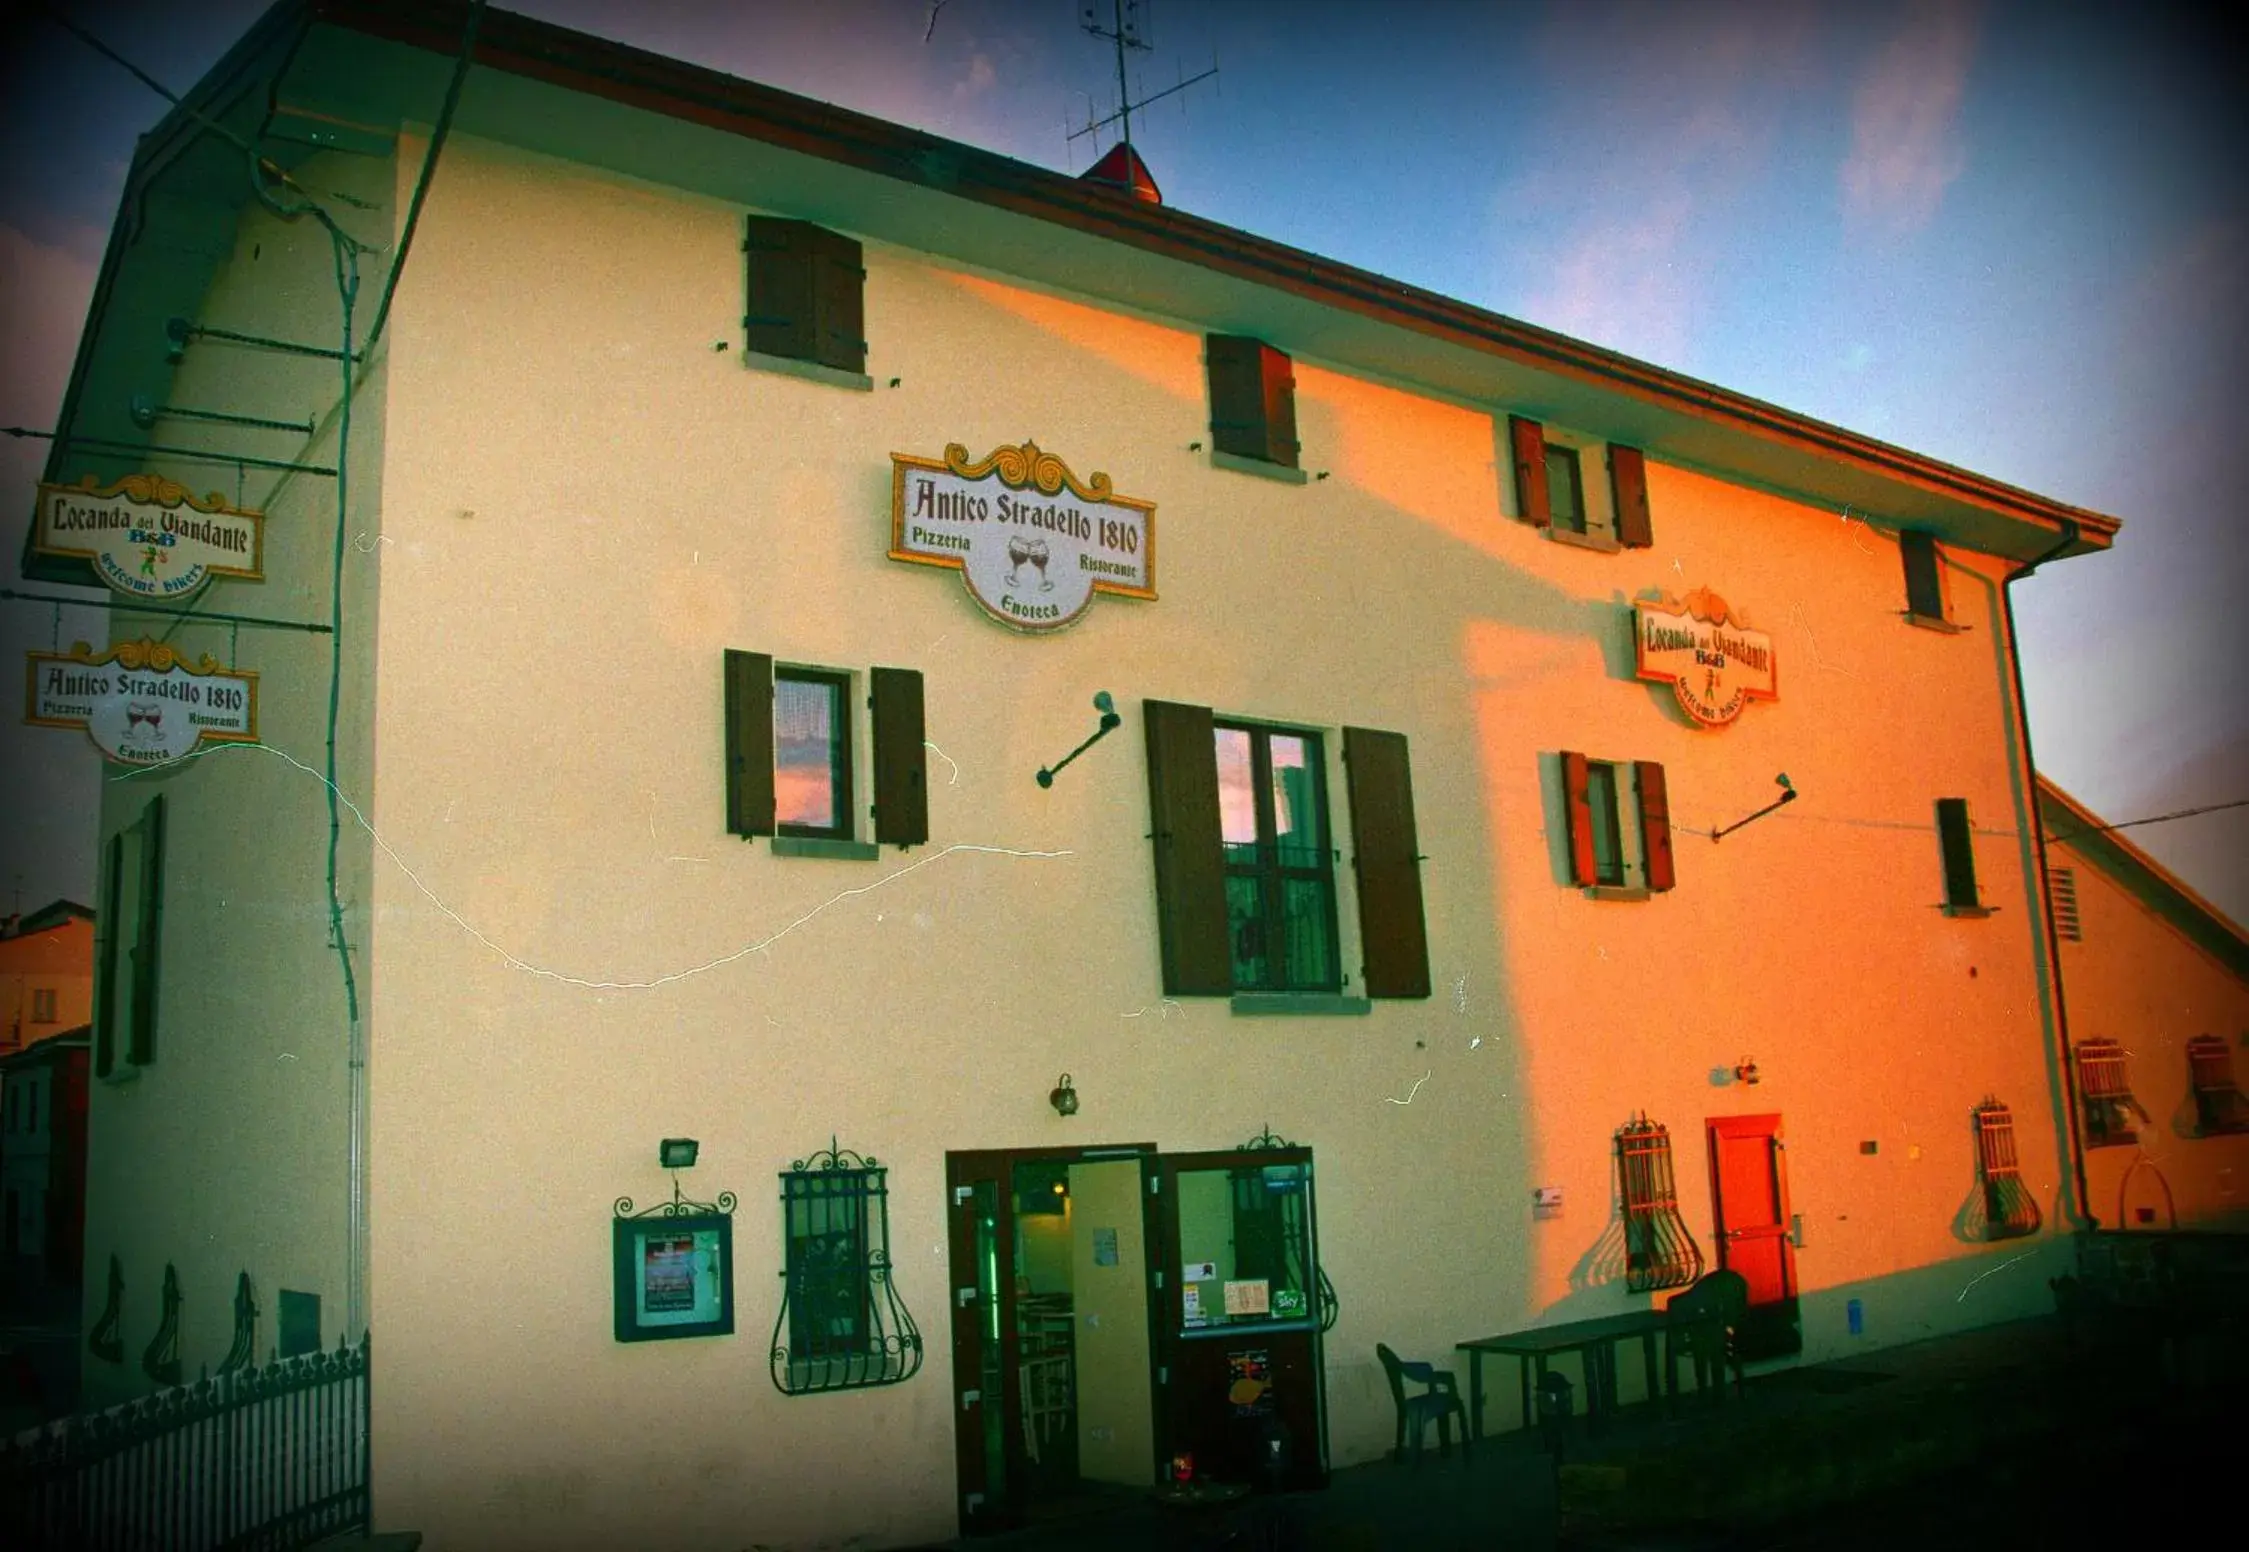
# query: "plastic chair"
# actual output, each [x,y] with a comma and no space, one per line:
[1438,1403]
[1700,1322]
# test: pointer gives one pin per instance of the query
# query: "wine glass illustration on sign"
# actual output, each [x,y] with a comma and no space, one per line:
[1018,551]
[1038,558]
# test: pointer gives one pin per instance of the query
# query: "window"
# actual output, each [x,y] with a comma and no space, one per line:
[2066,924]
[1252,403]
[131,933]
[791,757]
[2104,1089]
[807,302]
[1280,880]
[1957,843]
[1659,1252]
[1550,487]
[2218,1105]
[2010,1212]
[841,1324]
[1565,492]
[1619,820]
[42,1005]
[1924,578]
[1245,850]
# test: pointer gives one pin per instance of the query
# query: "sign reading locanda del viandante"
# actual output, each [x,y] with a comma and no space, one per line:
[142,702]
[1710,657]
[1031,540]
[148,536]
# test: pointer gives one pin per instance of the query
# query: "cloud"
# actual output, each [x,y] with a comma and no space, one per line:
[1905,144]
[44,290]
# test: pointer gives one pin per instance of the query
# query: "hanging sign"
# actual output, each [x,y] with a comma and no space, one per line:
[1711,658]
[147,536]
[142,702]
[1033,542]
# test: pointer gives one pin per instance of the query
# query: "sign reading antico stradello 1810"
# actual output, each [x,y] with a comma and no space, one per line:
[1713,661]
[142,702]
[148,536]
[1033,542]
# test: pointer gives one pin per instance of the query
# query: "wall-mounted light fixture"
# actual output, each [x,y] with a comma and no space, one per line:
[1063,1098]
[677,1152]
[1109,719]
[1745,1070]
[1787,795]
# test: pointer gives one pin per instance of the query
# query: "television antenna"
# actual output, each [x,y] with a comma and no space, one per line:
[1128,30]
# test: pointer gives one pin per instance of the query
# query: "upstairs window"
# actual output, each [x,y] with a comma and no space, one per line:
[42,1005]
[806,296]
[1619,824]
[791,756]
[2218,1106]
[1925,591]
[1252,402]
[130,941]
[2104,1090]
[1245,852]
[1565,490]
[1550,488]
[1957,843]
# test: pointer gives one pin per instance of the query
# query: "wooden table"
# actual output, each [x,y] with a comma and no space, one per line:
[1594,1340]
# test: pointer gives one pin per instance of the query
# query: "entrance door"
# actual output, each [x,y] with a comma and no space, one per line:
[1749,1189]
[1238,1316]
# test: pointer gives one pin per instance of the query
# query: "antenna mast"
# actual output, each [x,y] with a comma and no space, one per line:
[1127,30]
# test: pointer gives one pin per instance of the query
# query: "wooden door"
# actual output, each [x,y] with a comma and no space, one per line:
[980,1298]
[1749,1191]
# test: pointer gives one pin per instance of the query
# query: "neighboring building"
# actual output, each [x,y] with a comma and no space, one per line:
[1396,852]
[2156,983]
[46,973]
[43,1161]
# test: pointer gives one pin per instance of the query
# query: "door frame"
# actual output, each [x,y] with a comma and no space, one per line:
[1771,1329]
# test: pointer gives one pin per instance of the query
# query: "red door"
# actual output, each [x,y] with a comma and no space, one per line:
[1749,1190]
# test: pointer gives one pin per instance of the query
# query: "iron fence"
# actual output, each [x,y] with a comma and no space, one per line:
[260,1460]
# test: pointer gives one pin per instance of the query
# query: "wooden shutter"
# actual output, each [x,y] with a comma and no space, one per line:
[1655,823]
[901,763]
[106,936]
[1386,859]
[1252,399]
[749,743]
[148,936]
[1577,801]
[1190,857]
[1924,574]
[1959,851]
[1628,478]
[839,300]
[1528,438]
[782,319]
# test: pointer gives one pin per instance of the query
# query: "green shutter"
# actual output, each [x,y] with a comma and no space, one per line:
[1959,851]
[1386,861]
[901,762]
[148,941]
[1577,803]
[1628,478]
[1924,577]
[1190,857]
[1527,438]
[749,743]
[106,935]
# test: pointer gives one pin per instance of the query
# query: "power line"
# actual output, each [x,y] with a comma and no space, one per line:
[2184,813]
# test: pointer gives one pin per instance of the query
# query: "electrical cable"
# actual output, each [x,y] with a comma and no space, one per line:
[2183,813]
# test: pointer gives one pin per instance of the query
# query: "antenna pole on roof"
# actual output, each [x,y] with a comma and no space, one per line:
[1127,30]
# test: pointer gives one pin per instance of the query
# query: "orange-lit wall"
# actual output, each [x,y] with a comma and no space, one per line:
[59,959]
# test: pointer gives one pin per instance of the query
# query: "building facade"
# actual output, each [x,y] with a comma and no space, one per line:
[1511,829]
[46,974]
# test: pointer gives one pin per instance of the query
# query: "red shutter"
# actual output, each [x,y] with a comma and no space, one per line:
[1277,376]
[1528,438]
[1628,477]
[1655,823]
[1190,854]
[1252,399]
[749,743]
[901,761]
[1577,800]
[1386,860]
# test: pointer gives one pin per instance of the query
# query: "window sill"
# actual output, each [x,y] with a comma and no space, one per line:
[1617,892]
[1259,467]
[1972,912]
[2127,1140]
[1934,622]
[1246,1004]
[810,371]
[123,1072]
[1583,541]
[823,846]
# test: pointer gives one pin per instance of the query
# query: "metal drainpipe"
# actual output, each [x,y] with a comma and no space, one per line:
[2069,537]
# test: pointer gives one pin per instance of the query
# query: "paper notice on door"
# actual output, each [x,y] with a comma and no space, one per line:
[1249,1298]
[1192,1300]
[1199,1272]
[1104,1247]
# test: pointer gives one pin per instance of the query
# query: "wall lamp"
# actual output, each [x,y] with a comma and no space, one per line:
[1787,795]
[677,1152]
[1109,720]
[1063,1098]
[1745,1071]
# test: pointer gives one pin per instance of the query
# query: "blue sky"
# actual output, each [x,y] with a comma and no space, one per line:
[2010,235]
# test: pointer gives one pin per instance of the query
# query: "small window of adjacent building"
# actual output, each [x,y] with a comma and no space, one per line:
[1619,817]
[42,1005]
[130,938]
[1957,844]
[792,763]
[2104,1091]
[1924,578]
[1252,402]
[806,298]
[1245,850]
[2218,1105]
[2064,895]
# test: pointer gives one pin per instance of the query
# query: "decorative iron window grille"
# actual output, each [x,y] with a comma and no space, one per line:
[1659,1252]
[2010,1212]
[841,1324]
[2218,1105]
[106,1340]
[244,1351]
[1291,1229]
[161,1360]
[2066,922]
[2105,1090]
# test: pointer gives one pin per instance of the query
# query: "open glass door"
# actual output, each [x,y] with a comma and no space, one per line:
[1238,1349]
[980,1228]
